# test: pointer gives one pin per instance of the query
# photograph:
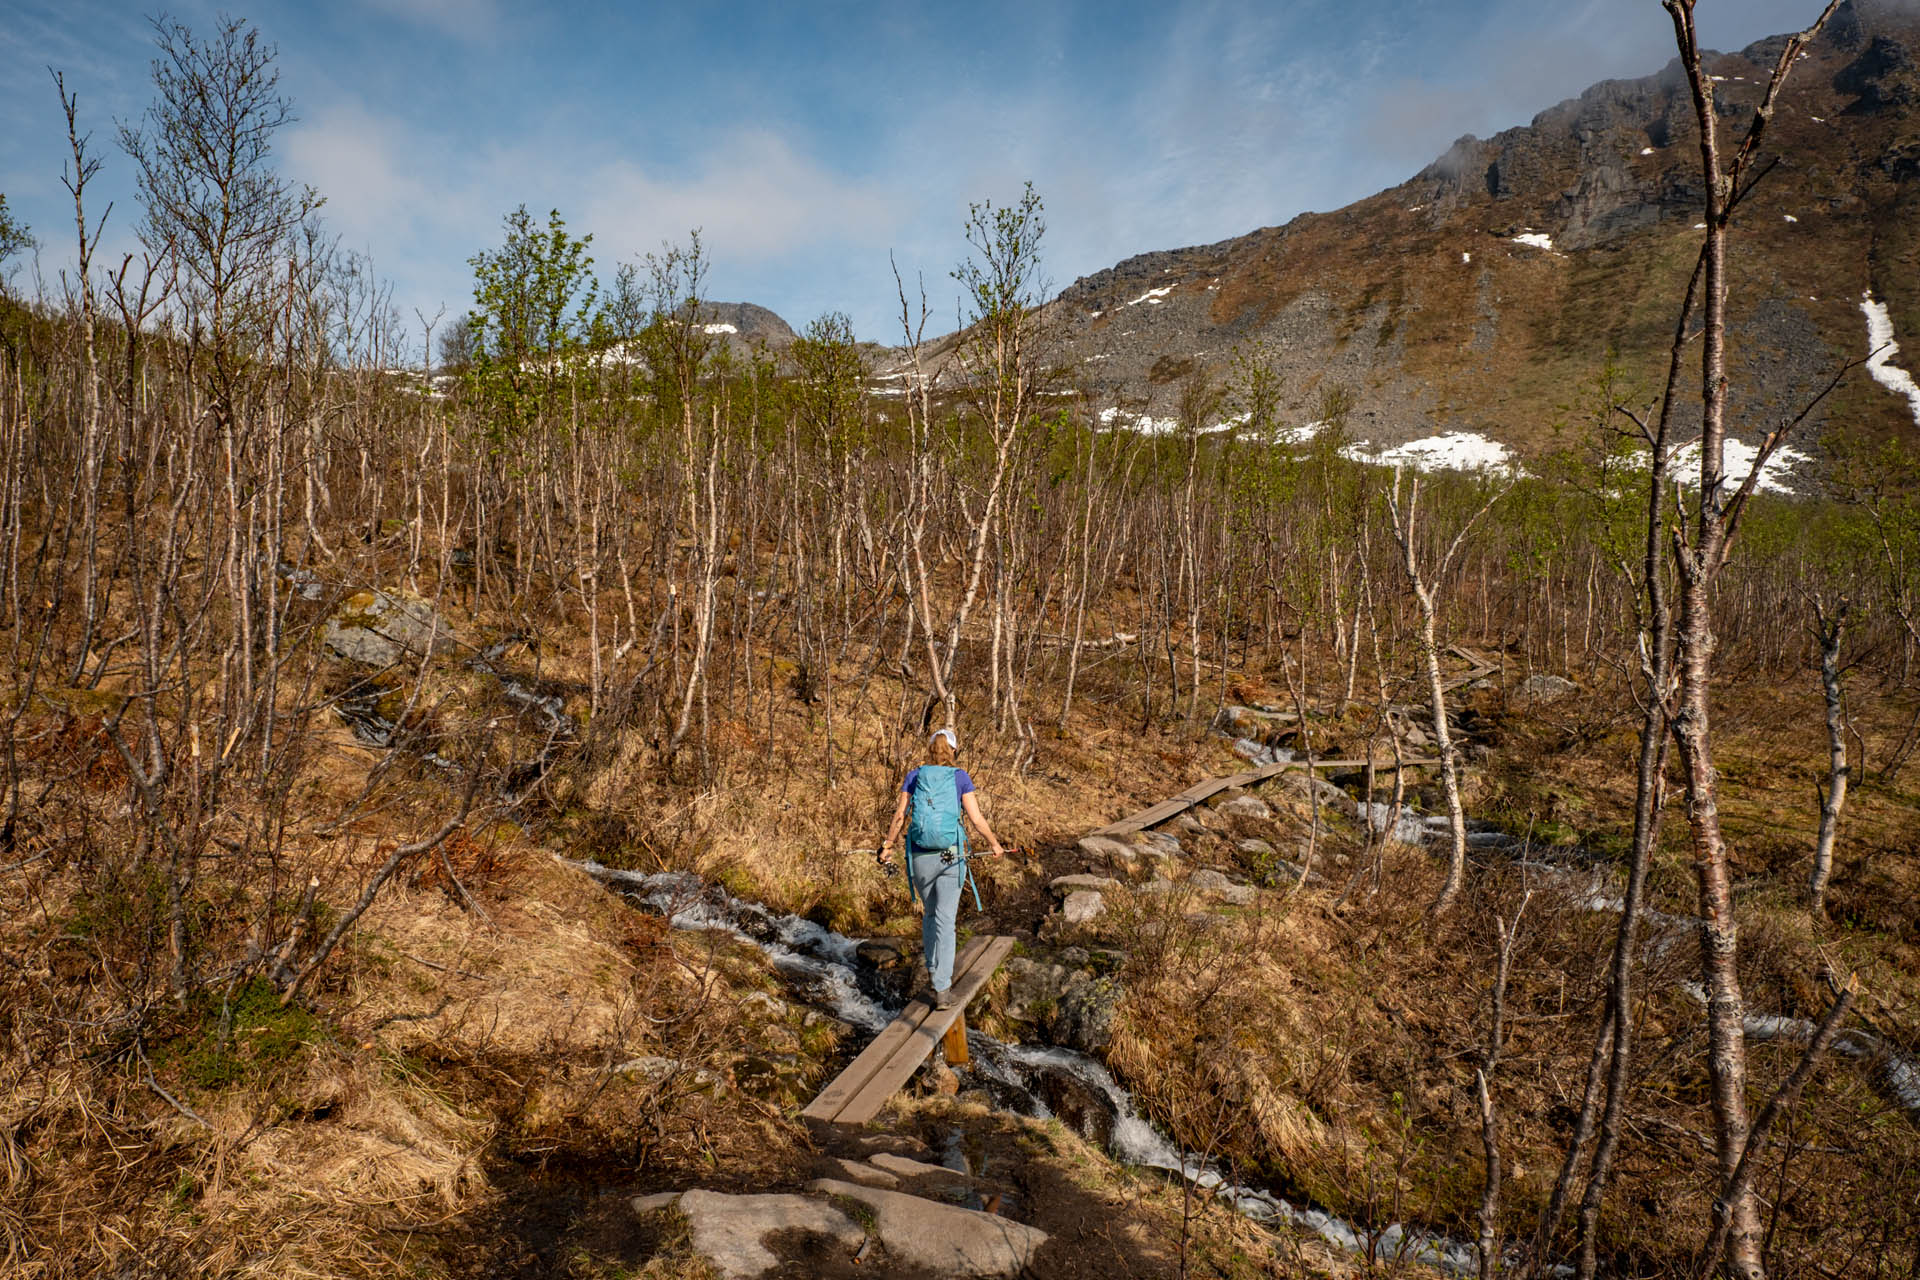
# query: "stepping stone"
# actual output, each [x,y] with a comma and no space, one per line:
[866,1175]
[1244,807]
[1082,905]
[1064,885]
[729,1231]
[901,1167]
[943,1239]
[1108,848]
[1255,848]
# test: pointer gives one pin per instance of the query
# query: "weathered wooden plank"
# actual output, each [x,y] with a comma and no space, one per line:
[883,1046]
[906,1059]
[1200,791]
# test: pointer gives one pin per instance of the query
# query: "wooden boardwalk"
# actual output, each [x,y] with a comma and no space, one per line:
[856,1095]
[1153,815]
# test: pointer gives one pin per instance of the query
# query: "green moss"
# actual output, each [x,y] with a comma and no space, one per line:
[232,1040]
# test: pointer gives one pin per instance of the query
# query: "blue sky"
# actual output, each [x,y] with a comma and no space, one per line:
[809,140]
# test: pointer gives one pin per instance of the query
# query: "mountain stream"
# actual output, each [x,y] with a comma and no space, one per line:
[821,966]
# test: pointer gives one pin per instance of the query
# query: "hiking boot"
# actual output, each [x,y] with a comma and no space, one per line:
[945,999]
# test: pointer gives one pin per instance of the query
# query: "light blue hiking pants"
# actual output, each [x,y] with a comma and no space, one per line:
[938,885]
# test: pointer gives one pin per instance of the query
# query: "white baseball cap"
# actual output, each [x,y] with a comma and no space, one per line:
[948,734]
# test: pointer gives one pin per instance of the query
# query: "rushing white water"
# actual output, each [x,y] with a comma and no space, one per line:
[823,961]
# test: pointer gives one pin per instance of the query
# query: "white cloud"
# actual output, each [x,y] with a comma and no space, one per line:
[754,197]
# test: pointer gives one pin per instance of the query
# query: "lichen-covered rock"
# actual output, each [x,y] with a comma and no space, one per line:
[1216,885]
[1109,850]
[1081,906]
[1546,688]
[1161,843]
[1070,1007]
[1244,806]
[378,628]
[1064,885]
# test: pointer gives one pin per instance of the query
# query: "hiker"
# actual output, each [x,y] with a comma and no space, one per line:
[938,794]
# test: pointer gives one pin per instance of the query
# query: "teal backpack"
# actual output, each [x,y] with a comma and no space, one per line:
[936,809]
[935,822]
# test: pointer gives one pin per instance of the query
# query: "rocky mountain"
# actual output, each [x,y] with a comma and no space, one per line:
[746,325]
[1489,291]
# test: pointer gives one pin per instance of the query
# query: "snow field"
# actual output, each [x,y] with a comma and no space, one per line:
[1881,344]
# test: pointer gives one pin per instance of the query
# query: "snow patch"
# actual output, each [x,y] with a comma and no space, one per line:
[1454,451]
[1152,296]
[718,328]
[1465,256]
[1881,343]
[1646,151]
[1790,218]
[1737,458]
[1537,239]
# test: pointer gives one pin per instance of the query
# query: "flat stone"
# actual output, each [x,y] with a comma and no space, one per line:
[1244,807]
[1064,885]
[1082,905]
[943,1239]
[1215,885]
[656,1203]
[729,1231]
[902,1167]
[865,1174]
[898,1144]
[1255,848]
[1108,848]
[1159,884]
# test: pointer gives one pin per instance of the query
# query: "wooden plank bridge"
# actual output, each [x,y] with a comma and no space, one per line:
[1153,815]
[856,1095]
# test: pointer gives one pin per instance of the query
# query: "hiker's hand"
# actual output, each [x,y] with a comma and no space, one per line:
[883,857]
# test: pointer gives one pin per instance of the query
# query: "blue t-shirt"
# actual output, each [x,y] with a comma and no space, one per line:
[961,782]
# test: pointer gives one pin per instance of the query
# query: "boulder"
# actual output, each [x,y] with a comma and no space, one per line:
[1545,688]
[1082,905]
[1255,848]
[1066,1006]
[1187,823]
[1331,797]
[1160,843]
[1215,885]
[378,628]
[1109,849]
[883,953]
[940,1079]
[1408,830]
[730,1231]
[1244,806]
[1063,885]
[943,1239]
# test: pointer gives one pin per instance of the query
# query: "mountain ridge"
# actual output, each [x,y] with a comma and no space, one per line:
[1483,292]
